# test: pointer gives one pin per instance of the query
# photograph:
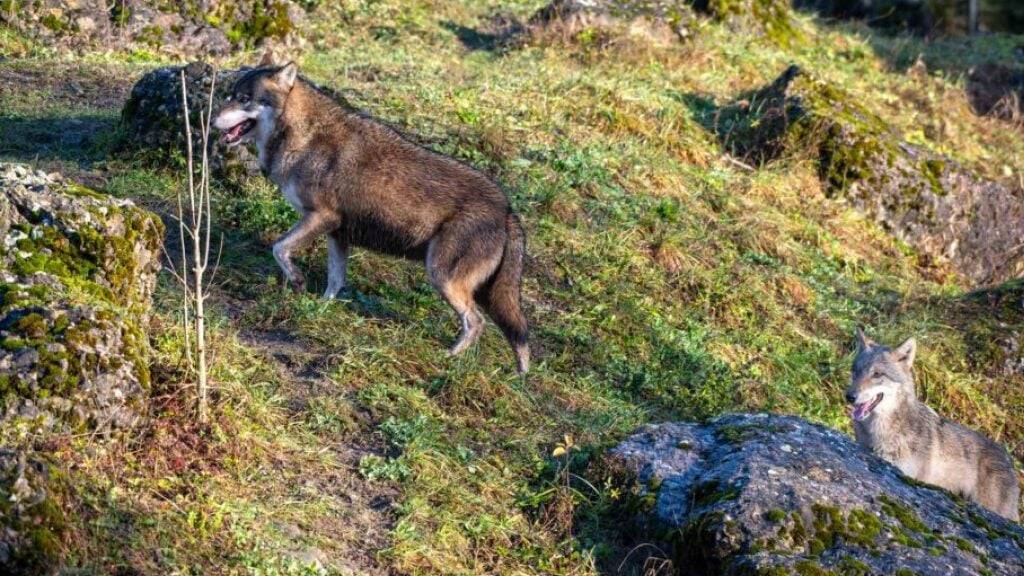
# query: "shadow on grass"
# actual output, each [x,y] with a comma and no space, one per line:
[78,139]
[474,39]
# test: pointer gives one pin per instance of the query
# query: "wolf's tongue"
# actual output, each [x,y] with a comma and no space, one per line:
[860,411]
[233,133]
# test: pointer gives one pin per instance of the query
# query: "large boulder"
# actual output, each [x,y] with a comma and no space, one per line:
[659,20]
[77,273]
[206,27]
[764,494]
[152,118]
[946,211]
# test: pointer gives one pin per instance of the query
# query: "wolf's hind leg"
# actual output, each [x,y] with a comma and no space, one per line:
[458,262]
[337,264]
[308,228]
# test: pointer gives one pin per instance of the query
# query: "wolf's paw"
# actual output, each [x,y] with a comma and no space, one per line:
[343,293]
[297,284]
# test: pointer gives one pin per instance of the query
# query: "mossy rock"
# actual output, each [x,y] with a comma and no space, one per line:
[187,27]
[79,269]
[659,21]
[32,519]
[949,214]
[768,494]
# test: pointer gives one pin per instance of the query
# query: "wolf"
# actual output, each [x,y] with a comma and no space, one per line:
[361,183]
[889,420]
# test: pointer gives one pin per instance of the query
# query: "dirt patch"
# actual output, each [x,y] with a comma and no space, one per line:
[95,87]
[363,531]
[997,90]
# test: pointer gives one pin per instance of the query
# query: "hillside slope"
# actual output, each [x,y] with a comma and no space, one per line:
[665,280]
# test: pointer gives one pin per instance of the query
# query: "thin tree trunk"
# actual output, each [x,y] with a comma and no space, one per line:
[198,231]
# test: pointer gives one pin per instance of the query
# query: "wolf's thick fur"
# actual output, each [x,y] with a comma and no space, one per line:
[362,184]
[890,421]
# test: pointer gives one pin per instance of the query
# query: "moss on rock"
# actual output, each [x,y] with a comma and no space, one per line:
[948,213]
[79,272]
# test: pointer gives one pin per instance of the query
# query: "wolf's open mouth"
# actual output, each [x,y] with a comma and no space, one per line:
[863,409]
[234,134]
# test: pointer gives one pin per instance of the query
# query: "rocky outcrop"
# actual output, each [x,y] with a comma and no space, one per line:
[195,27]
[947,212]
[659,21]
[77,272]
[762,494]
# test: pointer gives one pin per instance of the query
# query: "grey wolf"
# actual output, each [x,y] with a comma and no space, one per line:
[360,183]
[889,420]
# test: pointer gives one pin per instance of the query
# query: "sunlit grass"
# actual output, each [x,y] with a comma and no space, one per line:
[664,282]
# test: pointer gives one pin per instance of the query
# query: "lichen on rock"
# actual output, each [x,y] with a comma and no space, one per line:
[765,494]
[946,211]
[77,273]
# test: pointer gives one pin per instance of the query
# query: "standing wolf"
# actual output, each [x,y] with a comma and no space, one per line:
[889,420]
[361,184]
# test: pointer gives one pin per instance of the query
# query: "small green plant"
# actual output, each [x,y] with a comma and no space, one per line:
[374,467]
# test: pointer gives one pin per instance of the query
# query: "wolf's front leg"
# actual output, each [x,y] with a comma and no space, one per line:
[308,228]
[337,264]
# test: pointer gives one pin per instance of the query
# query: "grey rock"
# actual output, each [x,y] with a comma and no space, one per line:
[766,494]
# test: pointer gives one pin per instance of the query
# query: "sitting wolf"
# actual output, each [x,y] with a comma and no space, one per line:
[360,183]
[889,420]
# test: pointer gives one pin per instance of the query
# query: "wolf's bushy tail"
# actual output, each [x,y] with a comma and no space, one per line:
[500,295]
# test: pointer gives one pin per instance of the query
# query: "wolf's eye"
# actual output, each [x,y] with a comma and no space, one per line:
[877,374]
[243,99]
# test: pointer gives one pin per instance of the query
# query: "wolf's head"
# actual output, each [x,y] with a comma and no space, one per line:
[256,100]
[881,377]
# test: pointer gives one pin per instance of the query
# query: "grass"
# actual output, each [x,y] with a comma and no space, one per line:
[664,282]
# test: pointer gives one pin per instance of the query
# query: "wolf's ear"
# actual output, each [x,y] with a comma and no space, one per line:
[286,75]
[863,342]
[268,59]
[906,352]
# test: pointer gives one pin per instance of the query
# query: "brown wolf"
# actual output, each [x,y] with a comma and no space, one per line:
[889,420]
[360,183]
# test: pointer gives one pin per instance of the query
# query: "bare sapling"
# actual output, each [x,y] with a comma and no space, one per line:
[194,228]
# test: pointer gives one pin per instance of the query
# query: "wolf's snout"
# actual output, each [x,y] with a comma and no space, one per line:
[851,397]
